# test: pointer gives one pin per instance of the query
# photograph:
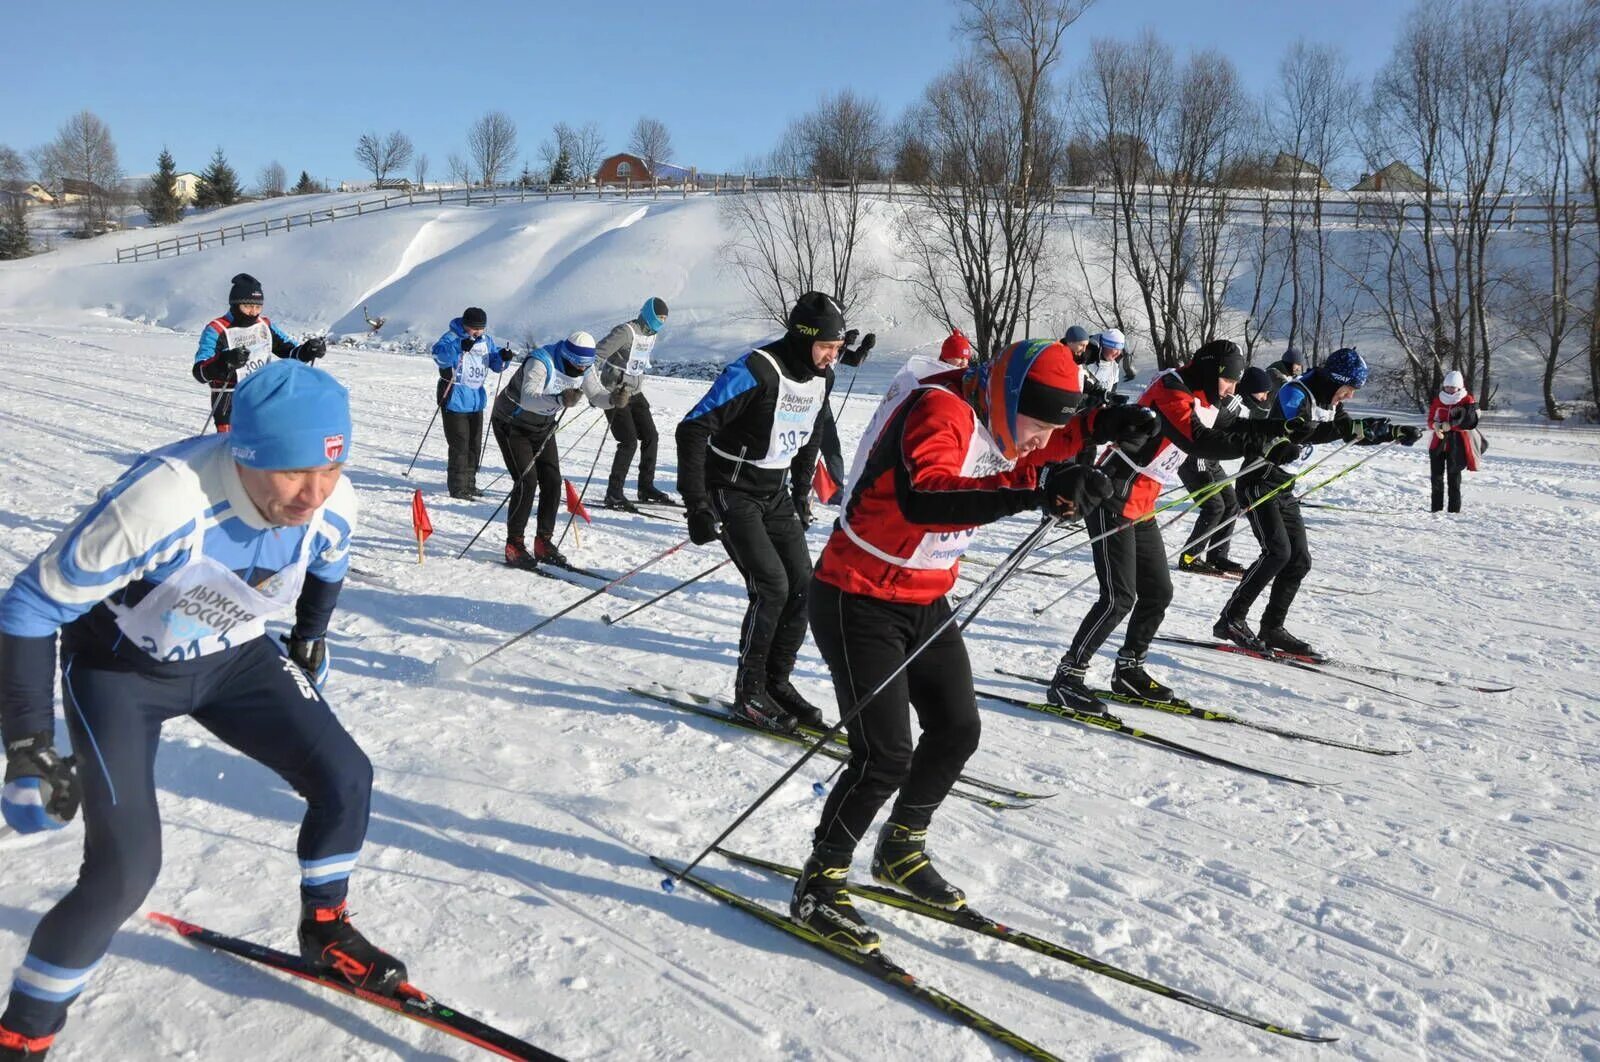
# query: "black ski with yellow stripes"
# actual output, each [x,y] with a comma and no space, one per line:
[967,918]
[874,963]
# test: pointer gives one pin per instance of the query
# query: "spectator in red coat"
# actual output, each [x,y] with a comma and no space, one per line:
[1452,416]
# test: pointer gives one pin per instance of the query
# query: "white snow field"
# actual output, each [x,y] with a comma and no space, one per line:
[1440,904]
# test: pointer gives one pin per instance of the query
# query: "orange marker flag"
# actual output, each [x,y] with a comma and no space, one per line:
[420,522]
[824,485]
[575,503]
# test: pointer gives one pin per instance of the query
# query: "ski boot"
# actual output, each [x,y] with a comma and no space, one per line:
[1130,678]
[1229,568]
[1275,637]
[329,941]
[545,552]
[788,698]
[1194,563]
[752,703]
[901,860]
[517,556]
[15,1047]
[1068,690]
[618,502]
[1237,631]
[823,905]
[652,496]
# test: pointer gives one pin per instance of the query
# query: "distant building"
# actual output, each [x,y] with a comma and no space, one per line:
[74,190]
[186,184]
[1395,177]
[32,193]
[1289,171]
[623,169]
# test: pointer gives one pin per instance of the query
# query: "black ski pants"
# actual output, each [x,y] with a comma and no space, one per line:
[1213,526]
[1445,468]
[1285,557]
[635,431]
[462,432]
[863,639]
[531,456]
[1131,567]
[767,542]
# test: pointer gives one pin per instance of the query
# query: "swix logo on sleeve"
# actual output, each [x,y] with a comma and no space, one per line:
[333,446]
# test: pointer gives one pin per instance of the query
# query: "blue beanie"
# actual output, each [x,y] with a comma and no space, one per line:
[654,315]
[1077,334]
[288,414]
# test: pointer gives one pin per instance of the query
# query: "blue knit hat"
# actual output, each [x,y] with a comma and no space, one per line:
[654,315]
[1076,334]
[288,414]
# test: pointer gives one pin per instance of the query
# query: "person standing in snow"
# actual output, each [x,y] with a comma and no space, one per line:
[746,454]
[1452,416]
[1206,552]
[1308,409]
[1286,368]
[544,387]
[241,341]
[161,591]
[957,450]
[466,354]
[615,384]
[1105,363]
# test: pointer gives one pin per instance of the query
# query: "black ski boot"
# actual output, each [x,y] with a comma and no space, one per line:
[792,701]
[15,1047]
[902,860]
[517,556]
[545,552]
[328,940]
[1276,637]
[1068,690]
[1237,631]
[652,496]
[1130,678]
[1228,567]
[823,905]
[752,703]
[619,502]
[1191,562]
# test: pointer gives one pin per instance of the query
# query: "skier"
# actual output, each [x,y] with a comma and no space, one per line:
[240,341]
[1131,565]
[746,453]
[1452,416]
[1211,539]
[466,354]
[544,387]
[1105,363]
[162,590]
[958,450]
[1289,365]
[1311,408]
[615,384]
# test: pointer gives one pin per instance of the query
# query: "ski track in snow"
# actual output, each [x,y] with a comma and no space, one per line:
[1444,903]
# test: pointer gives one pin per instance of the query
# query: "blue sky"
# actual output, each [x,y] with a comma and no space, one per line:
[298,82]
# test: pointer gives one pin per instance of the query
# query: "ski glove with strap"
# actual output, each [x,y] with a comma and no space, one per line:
[1282,452]
[234,357]
[311,654]
[704,528]
[311,349]
[1132,426]
[1407,434]
[858,355]
[1070,490]
[41,788]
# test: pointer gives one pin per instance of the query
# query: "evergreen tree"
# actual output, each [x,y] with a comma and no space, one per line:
[219,185]
[561,172]
[305,185]
[161,201]
[14,230]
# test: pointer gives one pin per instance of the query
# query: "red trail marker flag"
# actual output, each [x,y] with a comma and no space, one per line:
[420,522]
[575,505]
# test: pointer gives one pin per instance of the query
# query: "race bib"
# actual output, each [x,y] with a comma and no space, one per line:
[639,354]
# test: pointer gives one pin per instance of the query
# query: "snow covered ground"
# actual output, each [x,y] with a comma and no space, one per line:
[1440,904]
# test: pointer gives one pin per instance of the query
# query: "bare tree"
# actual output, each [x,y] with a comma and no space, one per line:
[13,167]
[419,169]
[382,156]
[460,171]
[586,149]
[492,145]
[272,181]
[1585,115]
[83,152]
[651,142]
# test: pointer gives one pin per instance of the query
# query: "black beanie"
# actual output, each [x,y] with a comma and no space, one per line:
[246,288]
[817,318]
[1254,381]
[474,317]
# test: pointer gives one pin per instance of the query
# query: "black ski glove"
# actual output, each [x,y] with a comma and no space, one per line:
[802,508]
[311,654]
[1282,452]
[466,343]
[703,526]
[311,349]
[1128,370]
[235,357]
[1132,426]
[41,788]
[1407,435]
[855,357]
[1373,430]
[1299,429]
[1070,490]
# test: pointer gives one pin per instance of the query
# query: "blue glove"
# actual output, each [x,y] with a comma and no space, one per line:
[41,790]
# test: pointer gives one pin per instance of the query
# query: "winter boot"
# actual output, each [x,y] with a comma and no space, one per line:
[1068,690]
[545,552]
[823,905]
[652,496]
[619,502]
[1130,678]
[328,940]
[902,860]
[517,556]
[1275,637]
[790,700]
[14,1047]
[1228,567]
[752,703]
[1192,562]
[1237,631]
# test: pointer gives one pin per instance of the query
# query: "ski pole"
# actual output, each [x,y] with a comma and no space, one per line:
[624,577]
[559,430]
[420,445]
[610,620]
[489,420]
[598,450]
[1001,573]
[507,498]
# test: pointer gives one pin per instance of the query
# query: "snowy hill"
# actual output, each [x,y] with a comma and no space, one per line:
[1443,904]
